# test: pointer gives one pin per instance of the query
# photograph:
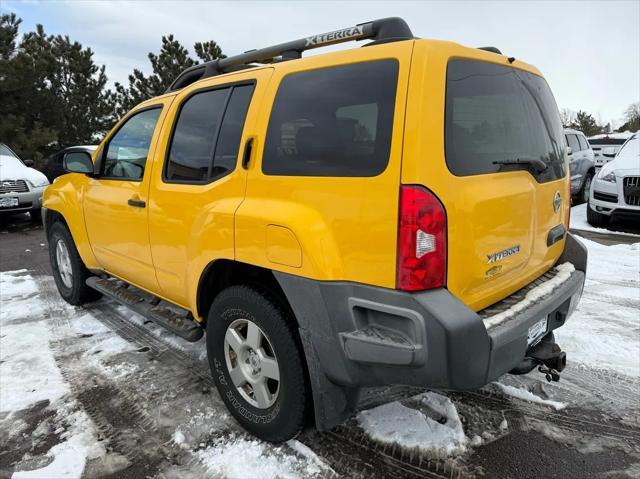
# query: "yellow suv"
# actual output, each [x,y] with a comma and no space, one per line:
[395,214]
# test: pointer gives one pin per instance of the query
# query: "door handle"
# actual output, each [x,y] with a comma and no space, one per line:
[246,156]
[136,201]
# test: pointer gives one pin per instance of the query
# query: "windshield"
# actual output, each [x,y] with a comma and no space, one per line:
[630,150]
[496,116]
[5,150]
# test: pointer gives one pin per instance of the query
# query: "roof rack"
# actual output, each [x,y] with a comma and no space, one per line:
[381,31]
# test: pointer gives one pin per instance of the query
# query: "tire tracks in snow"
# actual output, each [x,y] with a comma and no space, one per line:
[138,447]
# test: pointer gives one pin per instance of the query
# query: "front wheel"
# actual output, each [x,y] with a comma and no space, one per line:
[257,363]
[69,271]
[596,219]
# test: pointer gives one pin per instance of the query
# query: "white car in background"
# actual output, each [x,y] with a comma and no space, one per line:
[615,191]
[606,145]
[21,187]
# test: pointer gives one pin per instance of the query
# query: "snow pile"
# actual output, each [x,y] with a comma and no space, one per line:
[236,457]
[563,274]
[526,395]
[410,428]
[604,332]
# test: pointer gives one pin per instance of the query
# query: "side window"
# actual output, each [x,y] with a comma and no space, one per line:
[583,142]
[206,137]
[573,143]
[333,121]
[126,154]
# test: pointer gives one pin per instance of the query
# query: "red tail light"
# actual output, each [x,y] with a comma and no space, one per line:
[422,240]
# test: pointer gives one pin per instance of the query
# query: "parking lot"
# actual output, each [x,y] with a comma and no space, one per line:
[114,396]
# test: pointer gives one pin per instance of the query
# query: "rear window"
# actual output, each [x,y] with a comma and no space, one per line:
[499,114]
[333,121]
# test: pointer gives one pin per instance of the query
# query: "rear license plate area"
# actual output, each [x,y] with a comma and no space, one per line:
[537,331]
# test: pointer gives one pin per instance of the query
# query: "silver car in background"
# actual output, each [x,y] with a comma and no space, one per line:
[21,186]
[580,164]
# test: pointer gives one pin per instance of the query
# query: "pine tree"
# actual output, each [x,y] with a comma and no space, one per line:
[53,95]
[586,123]
[166,66]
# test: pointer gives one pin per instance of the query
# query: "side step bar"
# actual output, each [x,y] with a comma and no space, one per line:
[180,325]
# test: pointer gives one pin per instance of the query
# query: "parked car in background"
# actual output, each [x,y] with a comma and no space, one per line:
[606,146]
[21,186]
[53,167]
[616,187]
[581,165]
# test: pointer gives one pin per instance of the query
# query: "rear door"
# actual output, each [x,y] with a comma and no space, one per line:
[495,157]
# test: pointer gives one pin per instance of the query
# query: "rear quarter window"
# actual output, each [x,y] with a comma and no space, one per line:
[496,113]
[333,121]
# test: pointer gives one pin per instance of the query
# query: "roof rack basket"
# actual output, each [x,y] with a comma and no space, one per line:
[381,31]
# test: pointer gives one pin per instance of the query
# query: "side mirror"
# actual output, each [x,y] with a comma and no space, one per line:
[77,162]
[569,151]
[609,152]
[29,163]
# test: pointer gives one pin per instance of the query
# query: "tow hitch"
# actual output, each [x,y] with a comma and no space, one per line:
[547,355]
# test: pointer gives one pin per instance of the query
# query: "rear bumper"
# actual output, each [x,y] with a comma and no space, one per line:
[356,335]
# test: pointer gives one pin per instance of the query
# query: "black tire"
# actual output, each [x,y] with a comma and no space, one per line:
[287,416]
[78,292]
[596,219]
[583,194]
[36,215]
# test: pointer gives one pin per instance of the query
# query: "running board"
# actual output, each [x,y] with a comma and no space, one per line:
[181,325]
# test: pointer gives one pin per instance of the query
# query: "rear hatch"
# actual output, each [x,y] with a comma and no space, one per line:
[501,176]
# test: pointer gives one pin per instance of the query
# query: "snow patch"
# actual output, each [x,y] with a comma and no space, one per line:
[604,331]
[527,395]
[564,271]
[237,457]
[410,428]
[28,372]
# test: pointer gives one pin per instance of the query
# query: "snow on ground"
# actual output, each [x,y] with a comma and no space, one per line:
[238,457]
[527,395]
[29,374]
[579,222]
[411,428]
[604,332]
[32,328]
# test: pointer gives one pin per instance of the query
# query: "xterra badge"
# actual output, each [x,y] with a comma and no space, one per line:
[330,37]
[497,256]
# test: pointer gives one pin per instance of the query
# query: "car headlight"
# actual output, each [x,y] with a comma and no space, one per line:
[39,183]
[611,177]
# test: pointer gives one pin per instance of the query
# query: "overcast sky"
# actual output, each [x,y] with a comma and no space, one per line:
[588,51]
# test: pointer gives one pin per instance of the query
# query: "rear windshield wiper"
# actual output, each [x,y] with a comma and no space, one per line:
[539,165]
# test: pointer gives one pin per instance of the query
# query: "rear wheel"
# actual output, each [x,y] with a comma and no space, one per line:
[69,271]
[583,195]
[257,363]
[596,219]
